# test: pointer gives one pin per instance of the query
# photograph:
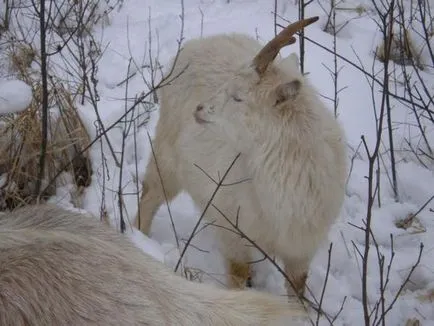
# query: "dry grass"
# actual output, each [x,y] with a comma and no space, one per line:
[427,297]
[21,56]
[402,51]
[20,133]
[20,139]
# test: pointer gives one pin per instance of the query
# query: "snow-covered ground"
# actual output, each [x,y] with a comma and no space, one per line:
[127,35]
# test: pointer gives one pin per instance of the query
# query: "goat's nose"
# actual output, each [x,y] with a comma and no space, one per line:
[199,107]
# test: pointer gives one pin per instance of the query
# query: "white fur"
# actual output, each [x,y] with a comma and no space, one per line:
[63,268]
[292,153]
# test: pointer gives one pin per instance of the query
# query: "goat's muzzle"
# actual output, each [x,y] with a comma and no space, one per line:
[197,114]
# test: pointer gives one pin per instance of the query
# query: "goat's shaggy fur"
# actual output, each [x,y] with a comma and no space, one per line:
[289,181]
[63,268]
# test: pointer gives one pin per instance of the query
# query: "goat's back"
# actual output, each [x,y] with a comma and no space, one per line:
[63,268]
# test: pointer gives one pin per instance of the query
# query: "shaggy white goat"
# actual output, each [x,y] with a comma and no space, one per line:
[232,97]
[64,268]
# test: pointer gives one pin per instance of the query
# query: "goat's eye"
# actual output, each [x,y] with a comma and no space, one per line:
[236,98]
[278,101]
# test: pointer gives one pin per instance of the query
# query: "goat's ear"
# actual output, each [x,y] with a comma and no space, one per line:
[293,60]
[286,91]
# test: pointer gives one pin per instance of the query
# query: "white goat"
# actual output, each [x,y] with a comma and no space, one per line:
[64,268]
[230,97]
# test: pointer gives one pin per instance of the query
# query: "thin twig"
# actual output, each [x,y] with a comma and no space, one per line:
[205,210]
[44,80]
[164,191]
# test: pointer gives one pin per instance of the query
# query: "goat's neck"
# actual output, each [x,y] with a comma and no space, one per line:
[279,153]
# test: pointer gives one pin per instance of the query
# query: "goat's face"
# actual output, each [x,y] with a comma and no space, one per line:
[260,97]
[232,104]
[248,103]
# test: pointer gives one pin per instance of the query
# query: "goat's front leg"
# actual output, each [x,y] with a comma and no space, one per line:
[153,193]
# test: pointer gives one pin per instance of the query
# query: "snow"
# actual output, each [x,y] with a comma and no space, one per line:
[126,36]
[15,96]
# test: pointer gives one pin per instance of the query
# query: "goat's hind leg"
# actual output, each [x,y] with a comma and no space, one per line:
[297,271]
[237,256]
[239,274]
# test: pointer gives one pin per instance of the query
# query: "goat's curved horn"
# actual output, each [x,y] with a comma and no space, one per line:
[285,37]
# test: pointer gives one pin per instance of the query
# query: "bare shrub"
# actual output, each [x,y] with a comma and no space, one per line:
[49,138]
[20,140]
